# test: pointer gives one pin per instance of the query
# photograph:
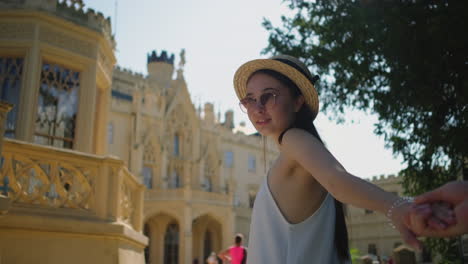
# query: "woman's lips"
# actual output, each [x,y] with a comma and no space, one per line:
[262,122]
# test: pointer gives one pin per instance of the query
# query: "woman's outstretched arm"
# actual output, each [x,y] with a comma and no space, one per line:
[311,154]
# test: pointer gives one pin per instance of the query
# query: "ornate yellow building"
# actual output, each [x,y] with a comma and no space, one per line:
[201,177]
[102,165]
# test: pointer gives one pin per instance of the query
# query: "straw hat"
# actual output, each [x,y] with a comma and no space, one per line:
[289,66]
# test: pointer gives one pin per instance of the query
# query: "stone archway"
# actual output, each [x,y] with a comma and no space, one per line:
[207,237]
[164,233]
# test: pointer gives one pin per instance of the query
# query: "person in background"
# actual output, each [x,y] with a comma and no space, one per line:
[212,259]
[236,254]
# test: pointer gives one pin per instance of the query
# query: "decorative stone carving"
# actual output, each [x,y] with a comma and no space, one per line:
[75,4]
[105,62]
[182,59]
[49,183]
[126,204]
[148,154]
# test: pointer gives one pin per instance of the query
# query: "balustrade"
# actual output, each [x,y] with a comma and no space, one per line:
[70,182]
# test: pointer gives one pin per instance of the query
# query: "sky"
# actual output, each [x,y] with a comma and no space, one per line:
[218,36]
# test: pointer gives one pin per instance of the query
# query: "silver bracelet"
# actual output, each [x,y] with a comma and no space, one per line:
[397,203]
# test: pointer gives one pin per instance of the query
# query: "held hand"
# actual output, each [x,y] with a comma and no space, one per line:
[435,216]
[454,193]
[401,219]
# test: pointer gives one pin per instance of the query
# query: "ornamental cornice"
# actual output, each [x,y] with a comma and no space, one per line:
[20,24]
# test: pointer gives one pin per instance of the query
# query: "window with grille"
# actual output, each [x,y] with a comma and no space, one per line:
[57,106]
[372,249]
[174,181]
[148,176]
[207,183]
[171,244]
[11,70]
[176,145]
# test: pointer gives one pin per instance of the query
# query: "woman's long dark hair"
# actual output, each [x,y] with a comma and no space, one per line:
[303,121]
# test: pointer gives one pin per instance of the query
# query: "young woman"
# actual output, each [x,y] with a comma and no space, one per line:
[298,216]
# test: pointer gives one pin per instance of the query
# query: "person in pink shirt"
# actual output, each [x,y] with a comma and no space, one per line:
[236,254]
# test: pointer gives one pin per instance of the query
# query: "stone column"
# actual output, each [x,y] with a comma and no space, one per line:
[228,228]
[102,121]
[139,199]
[188,236]
[86,111]
[27,108]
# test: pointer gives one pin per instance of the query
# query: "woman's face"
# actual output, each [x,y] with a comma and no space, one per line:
[270,105]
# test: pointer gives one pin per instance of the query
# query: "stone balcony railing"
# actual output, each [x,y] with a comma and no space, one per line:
[70,184]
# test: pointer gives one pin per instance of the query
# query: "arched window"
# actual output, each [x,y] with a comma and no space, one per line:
[147,172]
[174,180]
[207,183]
[11,70]
[57,106]
[171,244]
[207,244]
[149,163]
[176,145]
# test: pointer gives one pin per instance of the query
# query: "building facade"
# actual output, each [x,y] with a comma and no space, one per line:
[102,165]
[201,175]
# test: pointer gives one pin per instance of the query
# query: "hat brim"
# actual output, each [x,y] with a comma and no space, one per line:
[306,87]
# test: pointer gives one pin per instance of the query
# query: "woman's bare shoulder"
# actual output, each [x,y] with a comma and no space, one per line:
[295,140]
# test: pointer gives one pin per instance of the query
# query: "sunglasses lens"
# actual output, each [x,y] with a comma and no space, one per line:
[266,98]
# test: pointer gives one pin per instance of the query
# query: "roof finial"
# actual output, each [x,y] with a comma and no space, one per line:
[182,59]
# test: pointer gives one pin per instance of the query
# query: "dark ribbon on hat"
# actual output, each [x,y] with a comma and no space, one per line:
[313,80]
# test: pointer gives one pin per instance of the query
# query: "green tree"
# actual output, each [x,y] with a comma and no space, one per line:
[407,62]
[355,254]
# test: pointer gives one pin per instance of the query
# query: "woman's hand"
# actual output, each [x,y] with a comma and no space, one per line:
[401,218]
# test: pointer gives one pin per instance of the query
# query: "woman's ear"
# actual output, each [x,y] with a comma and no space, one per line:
[299,102]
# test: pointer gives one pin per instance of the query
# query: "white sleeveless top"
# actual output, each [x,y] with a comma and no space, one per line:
[273,240]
